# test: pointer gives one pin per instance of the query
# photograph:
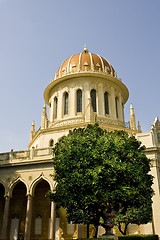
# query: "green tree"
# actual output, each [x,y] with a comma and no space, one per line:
[133,194]
[134,215]
[95,169]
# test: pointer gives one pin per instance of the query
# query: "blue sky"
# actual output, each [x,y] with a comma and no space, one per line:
[36,36]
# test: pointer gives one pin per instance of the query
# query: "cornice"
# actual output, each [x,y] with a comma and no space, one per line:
[26,162]
[98,75]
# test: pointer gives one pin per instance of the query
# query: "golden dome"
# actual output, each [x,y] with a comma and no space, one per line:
[85,61]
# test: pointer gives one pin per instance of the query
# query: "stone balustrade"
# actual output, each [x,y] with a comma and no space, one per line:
[26,155]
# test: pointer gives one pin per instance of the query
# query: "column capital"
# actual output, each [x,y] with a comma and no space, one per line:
[6,196]
[29,196]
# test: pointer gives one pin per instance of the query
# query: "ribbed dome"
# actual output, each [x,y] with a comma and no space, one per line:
[85,61]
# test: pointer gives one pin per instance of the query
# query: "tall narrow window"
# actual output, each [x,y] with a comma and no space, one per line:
[55,107]
[65,103]
[51,143]
[93,99]
[79,100]
[106,106]
[116,102]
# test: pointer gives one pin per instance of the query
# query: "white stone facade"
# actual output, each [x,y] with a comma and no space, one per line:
[29,172]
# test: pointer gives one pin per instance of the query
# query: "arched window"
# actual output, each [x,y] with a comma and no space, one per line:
[65,103]
[93,99]
[106,106]
[51,143]
[38,225]
[116,103]
[55,107]
[79,100]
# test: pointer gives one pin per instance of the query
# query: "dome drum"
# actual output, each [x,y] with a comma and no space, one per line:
[86,89]
[71,102]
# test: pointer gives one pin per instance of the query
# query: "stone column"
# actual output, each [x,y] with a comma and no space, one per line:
[52,221]
[100,100]
[86,96]
[51,110]
[59,107]
[120,107]
[71,107]
[123,112]
[49,115]
[5,217]
[28,218]
[113,105]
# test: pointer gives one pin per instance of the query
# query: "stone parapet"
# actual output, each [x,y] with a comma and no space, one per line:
[12,157]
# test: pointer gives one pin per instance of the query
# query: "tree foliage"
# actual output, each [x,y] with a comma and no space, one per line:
[95,169]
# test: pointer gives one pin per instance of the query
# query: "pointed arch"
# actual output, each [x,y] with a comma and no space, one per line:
[14,183]
[39,179]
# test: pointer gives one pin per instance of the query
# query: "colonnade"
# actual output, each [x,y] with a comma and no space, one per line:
[28,218]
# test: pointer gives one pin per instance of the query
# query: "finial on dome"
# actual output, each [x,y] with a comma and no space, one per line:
[85,50]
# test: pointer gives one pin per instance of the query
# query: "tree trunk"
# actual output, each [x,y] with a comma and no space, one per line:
[125,229]
[96,224]
[87,230]
[96,232]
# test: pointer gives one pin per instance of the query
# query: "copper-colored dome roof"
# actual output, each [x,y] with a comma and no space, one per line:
[85,61]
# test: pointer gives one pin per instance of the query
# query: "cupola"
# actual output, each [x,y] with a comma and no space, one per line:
[83,62]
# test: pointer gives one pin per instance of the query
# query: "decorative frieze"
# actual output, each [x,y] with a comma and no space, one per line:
[68,122]
[109,121]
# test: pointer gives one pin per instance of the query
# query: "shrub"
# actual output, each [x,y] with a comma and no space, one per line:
[94,239]
[138,237]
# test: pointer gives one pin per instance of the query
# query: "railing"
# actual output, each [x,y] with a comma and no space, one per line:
[4,156]
[42,152]
[21,154]
[18,156]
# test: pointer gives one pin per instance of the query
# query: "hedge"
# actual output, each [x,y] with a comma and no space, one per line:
[93,238]
[138,237]
[129,237]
